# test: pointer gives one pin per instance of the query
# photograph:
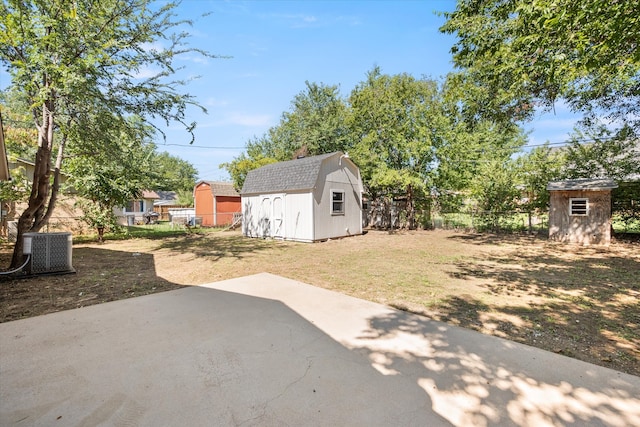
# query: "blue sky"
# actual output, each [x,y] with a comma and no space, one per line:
[275,46]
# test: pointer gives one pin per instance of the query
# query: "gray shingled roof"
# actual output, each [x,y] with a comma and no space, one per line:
[298,174]
[582,184]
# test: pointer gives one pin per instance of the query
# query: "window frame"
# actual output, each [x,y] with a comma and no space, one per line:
[342,202]
[578,210]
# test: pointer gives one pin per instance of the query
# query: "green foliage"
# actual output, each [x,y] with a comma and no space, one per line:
[314,125]
[239,167]
[98,216]
[536,52]
[606,155]
[625,208]
[173,173]
[17,189]
[20,136]
[114,166]
[410,137]
[393,122]
[494,190]
[70,52]
[185,197]
[79,67]
[535,170]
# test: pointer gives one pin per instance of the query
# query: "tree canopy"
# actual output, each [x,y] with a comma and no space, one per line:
[410,137]
[82,65]
[315,124]
[527,54]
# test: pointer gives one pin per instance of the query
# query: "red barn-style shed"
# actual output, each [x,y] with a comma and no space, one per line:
[216,202]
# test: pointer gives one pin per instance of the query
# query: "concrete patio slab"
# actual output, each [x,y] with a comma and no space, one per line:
[263,350]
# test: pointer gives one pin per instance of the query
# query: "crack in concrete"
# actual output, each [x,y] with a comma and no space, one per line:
[266,404]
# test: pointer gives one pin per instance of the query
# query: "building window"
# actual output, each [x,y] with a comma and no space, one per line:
[337,202]
[135,206]
[578,207]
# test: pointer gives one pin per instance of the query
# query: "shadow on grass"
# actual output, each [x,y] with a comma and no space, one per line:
[217,245]
[101,276]
[626,237]
[498,239]
[574,301]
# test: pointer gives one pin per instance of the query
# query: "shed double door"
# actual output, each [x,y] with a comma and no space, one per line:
[272,216]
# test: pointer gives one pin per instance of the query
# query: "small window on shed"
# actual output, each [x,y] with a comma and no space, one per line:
[578,207]
[337,202]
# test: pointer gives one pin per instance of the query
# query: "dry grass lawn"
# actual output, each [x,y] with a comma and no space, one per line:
[580,302]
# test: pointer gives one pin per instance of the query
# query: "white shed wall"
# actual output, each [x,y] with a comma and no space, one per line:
[285,216]
[298,223]
[345,177]
[251,221]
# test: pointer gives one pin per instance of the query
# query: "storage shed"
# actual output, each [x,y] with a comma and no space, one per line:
[580,211]
[216,202]
[308,199]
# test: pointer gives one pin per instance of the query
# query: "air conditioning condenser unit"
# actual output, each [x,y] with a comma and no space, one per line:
[50,253]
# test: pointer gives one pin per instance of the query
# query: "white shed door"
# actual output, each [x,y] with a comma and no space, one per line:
[278,217]
[265,218]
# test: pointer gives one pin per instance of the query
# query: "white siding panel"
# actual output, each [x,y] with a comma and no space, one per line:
[329,226]
[299,217]
[251,216]
[293,221]
[341,176]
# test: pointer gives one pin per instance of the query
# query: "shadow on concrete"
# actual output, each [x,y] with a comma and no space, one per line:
[478,381]
[290,354]
[195,356]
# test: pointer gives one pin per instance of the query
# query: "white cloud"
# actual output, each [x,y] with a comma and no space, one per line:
[236,119]
[249,75]
[297,20]
[156,46]
[249,120]
[146,73]
[214,102]
[194,57]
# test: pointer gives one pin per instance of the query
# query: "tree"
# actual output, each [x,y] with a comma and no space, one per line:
[316,121]
[240,166]
[314,125]
[535,169]
[525,53]
[96,215]
[467,140]
[174,173]
[395,122]
[494,191]
[110,169]
[20,135]
[598,152]
[72,59]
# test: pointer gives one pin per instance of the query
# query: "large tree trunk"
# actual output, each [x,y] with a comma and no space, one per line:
[33,218]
